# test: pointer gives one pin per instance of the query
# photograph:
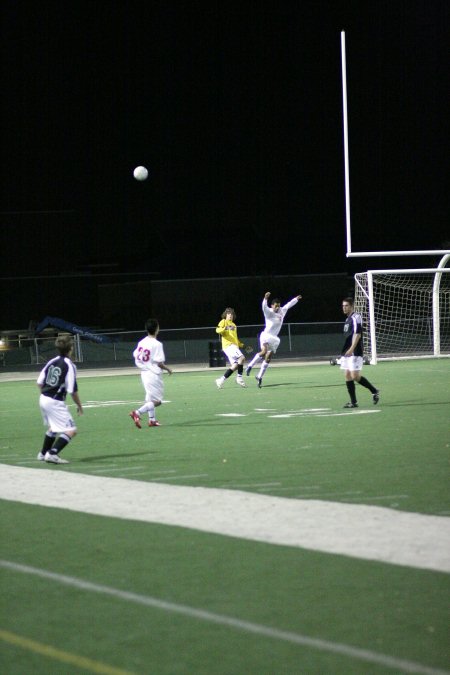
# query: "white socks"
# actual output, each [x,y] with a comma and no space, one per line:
[148,407]
[263,369]
[254,361]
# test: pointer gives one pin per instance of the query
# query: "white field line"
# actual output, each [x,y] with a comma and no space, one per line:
[323,414]
[150,472]
[348,651]
[250,485]
[131,469]
[94,467]
[356,530]
[231,414]
[182,477]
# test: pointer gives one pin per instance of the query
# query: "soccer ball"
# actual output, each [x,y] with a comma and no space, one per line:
[140,173]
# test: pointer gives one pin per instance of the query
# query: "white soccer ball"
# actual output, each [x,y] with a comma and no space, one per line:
[140,173]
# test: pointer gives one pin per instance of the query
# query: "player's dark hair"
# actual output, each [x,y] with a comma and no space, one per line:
[350,301]
[229,310]
[151,326]
[64,344]
[275,300]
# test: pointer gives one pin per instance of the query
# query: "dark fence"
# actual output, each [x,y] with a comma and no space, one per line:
[183,345]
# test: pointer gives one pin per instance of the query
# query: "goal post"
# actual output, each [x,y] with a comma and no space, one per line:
[364,254]
[405,312]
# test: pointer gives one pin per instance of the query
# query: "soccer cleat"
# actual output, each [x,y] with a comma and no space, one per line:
[259,381]
[248,370]
[376,397]
[41,456]
[219,383]
[153,423]
[136,419]
[240,381]
[350,405]
[54,459]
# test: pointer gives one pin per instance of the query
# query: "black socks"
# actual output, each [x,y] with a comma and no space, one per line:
[366,383]
[351,390]
[61,443]
[48,442]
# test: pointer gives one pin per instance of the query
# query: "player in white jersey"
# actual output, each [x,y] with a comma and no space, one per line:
[268,339]
[149,358]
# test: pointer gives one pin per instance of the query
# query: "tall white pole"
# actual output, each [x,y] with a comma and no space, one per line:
[436,309]
[346,162]
[373,332]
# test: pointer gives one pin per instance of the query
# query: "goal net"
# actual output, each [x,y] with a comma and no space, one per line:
[406,313]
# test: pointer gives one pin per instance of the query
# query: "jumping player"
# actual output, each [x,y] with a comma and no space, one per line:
[269,340]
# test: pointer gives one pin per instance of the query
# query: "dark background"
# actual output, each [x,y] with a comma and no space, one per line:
[236,110]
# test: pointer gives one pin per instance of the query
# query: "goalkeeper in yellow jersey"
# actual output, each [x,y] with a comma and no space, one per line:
[231,347]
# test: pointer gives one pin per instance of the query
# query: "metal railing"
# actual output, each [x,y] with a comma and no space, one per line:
[181,345]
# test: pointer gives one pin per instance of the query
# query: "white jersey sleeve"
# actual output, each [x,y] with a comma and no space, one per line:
[288,305]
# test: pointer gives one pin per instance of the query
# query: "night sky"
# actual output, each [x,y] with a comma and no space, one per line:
[236,110]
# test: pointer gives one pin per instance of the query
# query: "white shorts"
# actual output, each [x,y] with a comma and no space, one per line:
[351,362]
[153,385]
[272,340]
[233,354]
[56,415]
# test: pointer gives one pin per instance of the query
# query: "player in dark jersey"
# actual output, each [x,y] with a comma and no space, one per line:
[57,379]
[352,354]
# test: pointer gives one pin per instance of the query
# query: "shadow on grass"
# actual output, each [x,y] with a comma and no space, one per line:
[96,458]
[302,385]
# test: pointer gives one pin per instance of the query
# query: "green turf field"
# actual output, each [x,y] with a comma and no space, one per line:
[267,609]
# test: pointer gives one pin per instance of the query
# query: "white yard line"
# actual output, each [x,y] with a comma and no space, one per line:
[125,469]
[359,531]
[318,644]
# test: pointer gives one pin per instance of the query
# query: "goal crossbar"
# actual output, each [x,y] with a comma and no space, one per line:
[381,254]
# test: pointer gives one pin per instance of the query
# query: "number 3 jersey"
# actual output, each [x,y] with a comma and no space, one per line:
[58,378]
[148,353]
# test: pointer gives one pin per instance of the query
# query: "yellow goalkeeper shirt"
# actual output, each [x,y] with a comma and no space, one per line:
[228,332]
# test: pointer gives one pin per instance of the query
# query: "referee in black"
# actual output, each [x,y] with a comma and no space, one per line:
[352,354]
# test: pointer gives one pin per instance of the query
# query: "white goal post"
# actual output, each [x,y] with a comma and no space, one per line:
[362,254]
[405,312]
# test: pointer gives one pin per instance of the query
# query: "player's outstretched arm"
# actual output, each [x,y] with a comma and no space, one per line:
[292,302]
[265,302]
